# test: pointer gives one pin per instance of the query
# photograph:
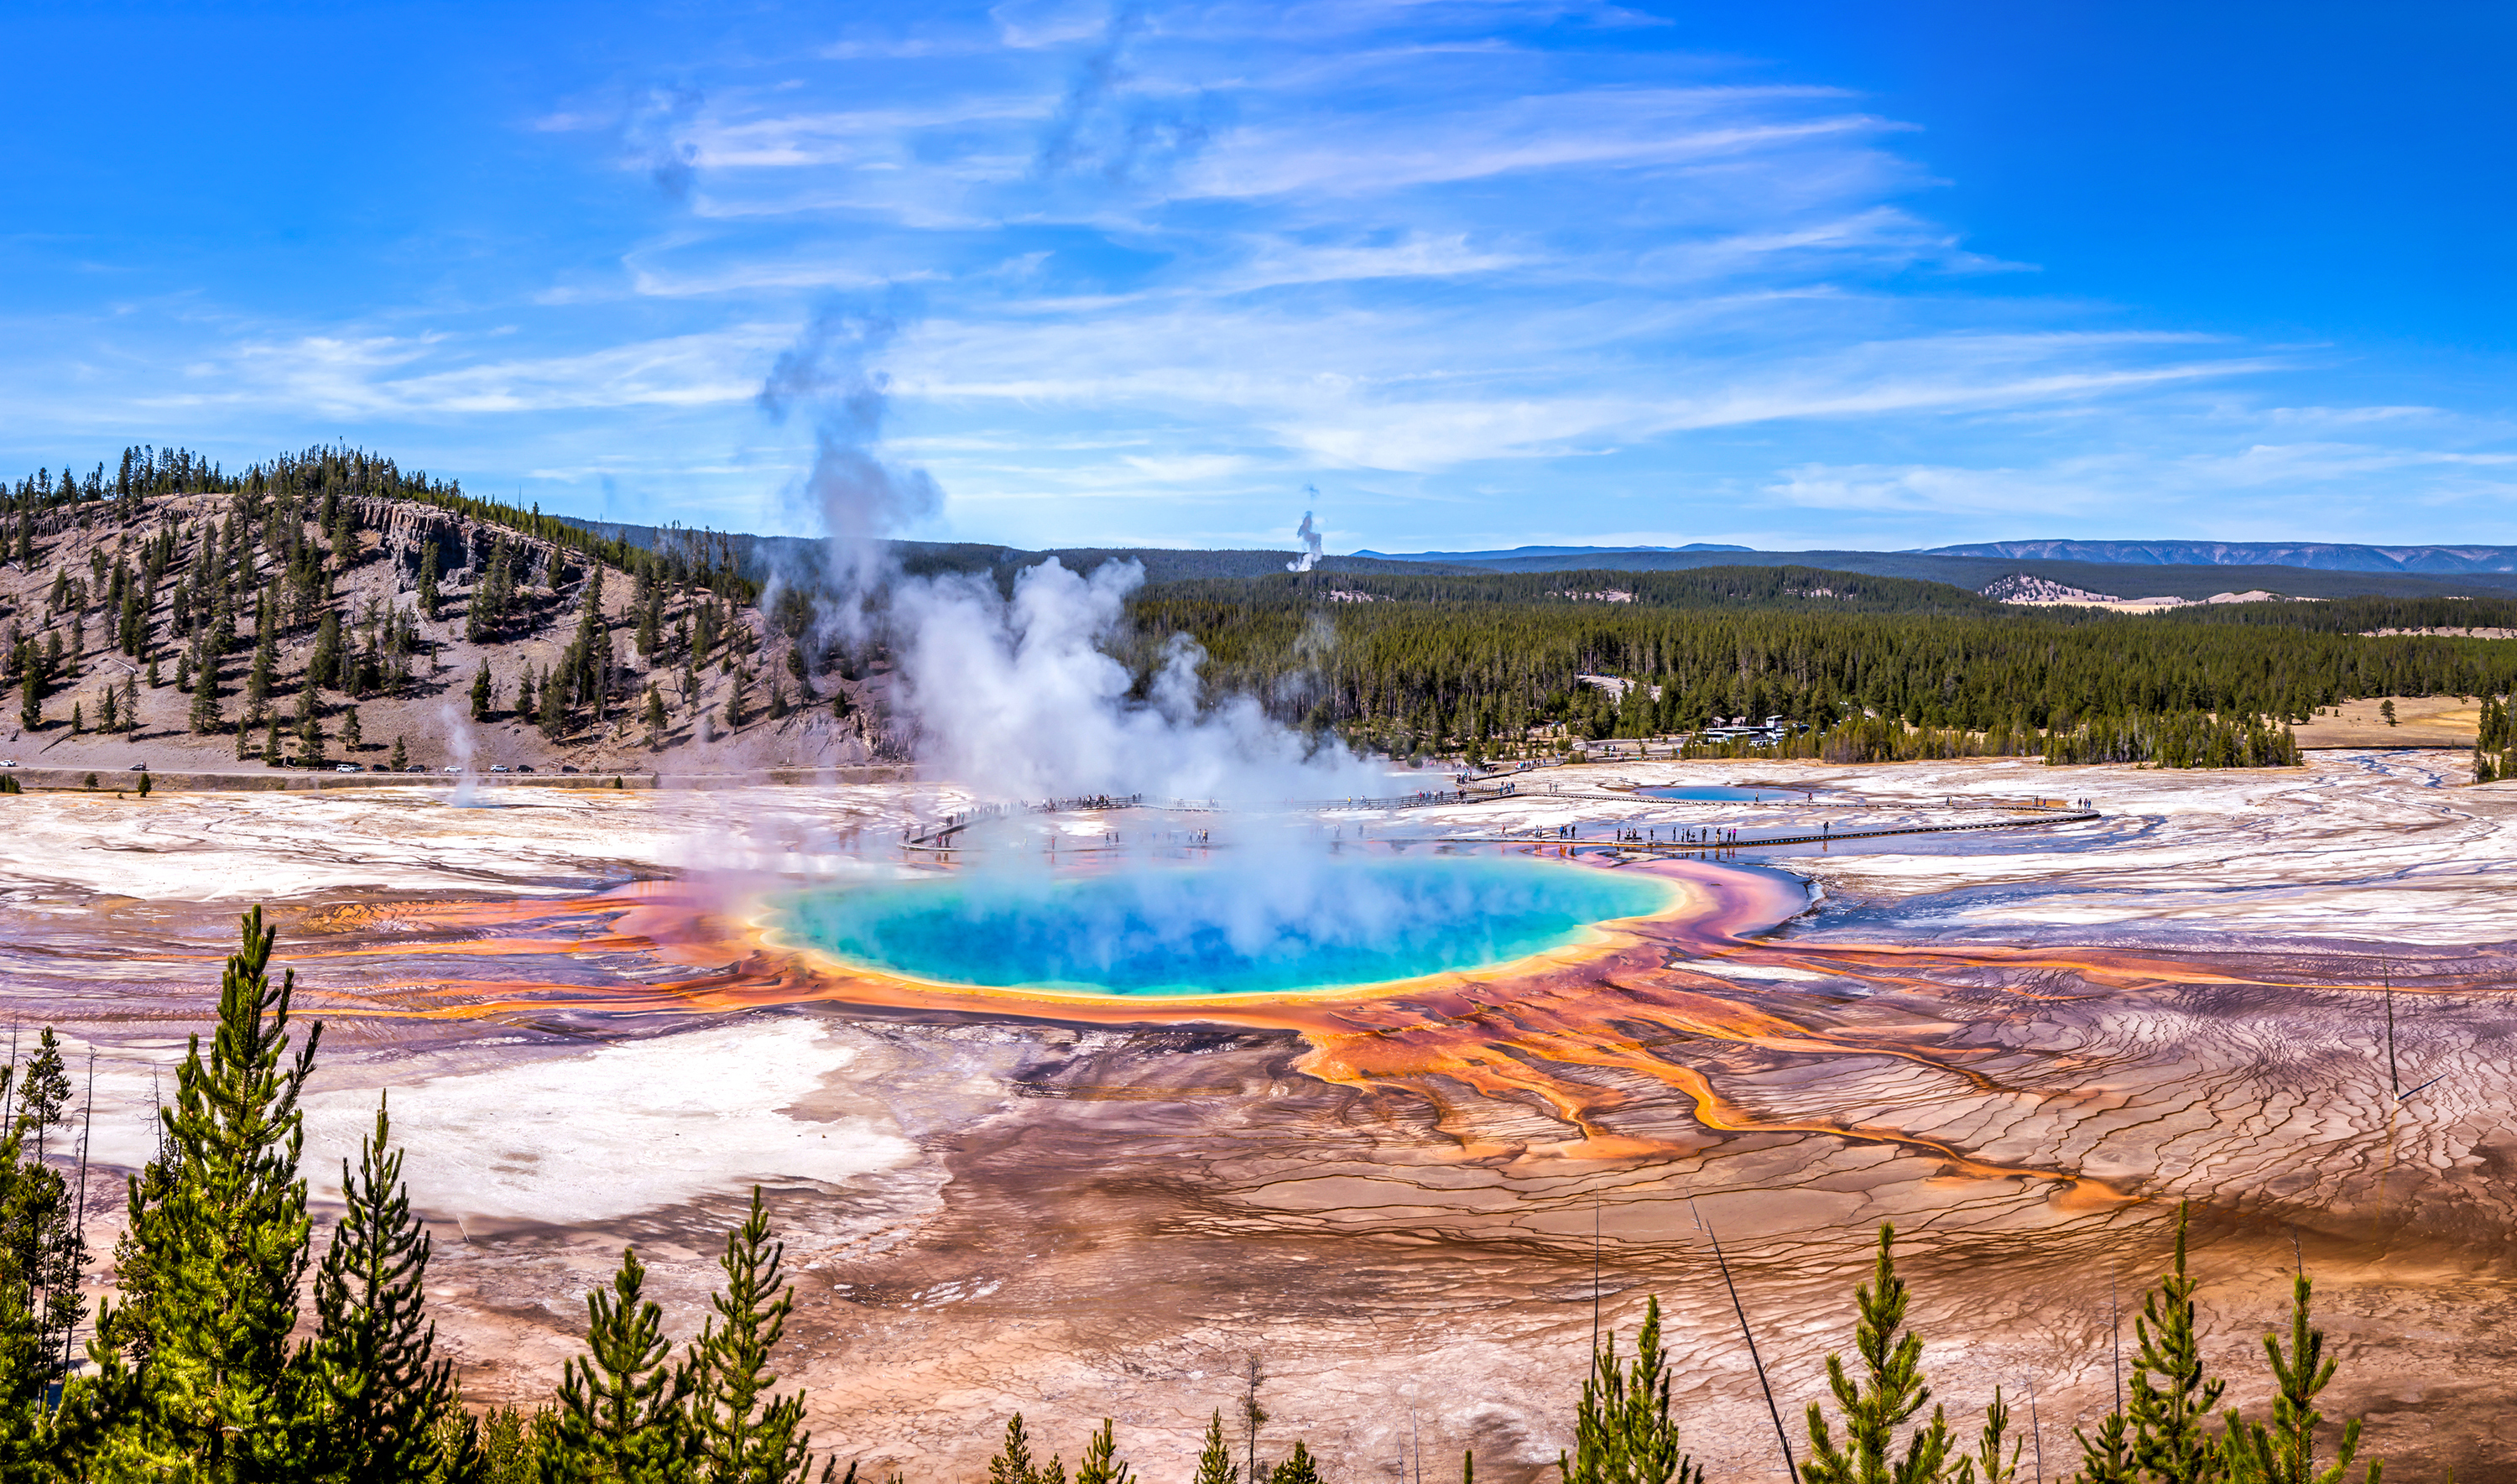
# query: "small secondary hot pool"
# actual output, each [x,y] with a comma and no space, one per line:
[1264,926]
[1709,793]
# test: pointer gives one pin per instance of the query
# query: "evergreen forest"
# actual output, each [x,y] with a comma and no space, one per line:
[201,1367]
[1479,666]
[1865,670]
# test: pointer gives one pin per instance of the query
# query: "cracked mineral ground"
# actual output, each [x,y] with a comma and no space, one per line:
[2025,1045]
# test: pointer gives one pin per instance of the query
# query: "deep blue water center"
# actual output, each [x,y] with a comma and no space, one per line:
[1249,928]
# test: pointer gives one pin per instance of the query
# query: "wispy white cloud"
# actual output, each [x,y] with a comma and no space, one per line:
[391,376]
[1170,261]
[2251,492]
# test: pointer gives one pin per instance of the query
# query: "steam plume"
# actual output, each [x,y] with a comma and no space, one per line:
[1099,129]
[863,502]
[1015,696]
[1310,538]
[652,130]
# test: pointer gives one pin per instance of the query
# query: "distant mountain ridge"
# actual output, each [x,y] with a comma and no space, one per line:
[801,557]
[2316,556]
[1524,553]
[808,558]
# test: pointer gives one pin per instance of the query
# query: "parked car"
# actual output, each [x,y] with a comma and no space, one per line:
[8,762]
[420,768]
[524,767]
[568,767]
[379,768]
[451,768]
[500,768]
[137,768]
[345,767]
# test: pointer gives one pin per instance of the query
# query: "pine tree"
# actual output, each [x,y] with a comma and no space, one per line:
[213,1394]
[620,1417]
[509,1444]
[1622,1431]
[2285,1453]
[31,689]
[1215,1464]
[375,1392]
[1101,1464]
[1890,1391]
[745,1434]
[41,1255]
[651,616]
[324,666]
[204,716]
[553,719]
[429,598]
[1297,1468]
[655,719]
[482,692]
[592,642]
[270,751]
[400,759]
[259,680]
[310,722]
[351,740]
[2172,1398]
[1988,1464]
[737,707]
[130,702]
[1012,1463]
[1252,1415]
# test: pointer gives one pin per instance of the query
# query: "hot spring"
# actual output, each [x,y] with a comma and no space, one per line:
[1254,928]
[1709,793]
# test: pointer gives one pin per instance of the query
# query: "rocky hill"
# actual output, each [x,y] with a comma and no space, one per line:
[304,624]
[2024,588]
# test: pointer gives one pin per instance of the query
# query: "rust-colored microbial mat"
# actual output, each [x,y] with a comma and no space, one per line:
[1410,1199]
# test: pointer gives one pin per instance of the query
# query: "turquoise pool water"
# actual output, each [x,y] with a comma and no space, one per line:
[1253,928]
[1720,795]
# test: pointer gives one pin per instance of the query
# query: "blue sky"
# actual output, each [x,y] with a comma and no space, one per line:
[1791,275]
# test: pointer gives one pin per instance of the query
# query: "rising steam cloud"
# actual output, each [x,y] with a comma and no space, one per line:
[1310,538]
[655,131]
[1015,696]
[829,375]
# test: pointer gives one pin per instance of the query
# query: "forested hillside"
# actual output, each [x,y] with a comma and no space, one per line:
[329,608]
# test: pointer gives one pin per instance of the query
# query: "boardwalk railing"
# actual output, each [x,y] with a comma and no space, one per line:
[938,835]
[2051,811]
[1425,800]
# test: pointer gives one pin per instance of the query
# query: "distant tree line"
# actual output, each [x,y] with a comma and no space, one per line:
[1475,673]
[2495,742]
